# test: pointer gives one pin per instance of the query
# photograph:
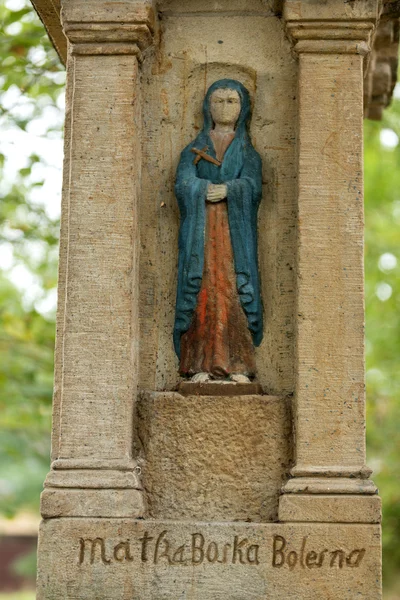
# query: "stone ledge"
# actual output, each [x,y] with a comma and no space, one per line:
[109,14]
[67,502]
[109,33]
[332,10]
[119,12]
[329,509]
[329,485]
[92,478]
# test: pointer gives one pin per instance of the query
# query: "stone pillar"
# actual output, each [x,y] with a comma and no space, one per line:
[332,41]
[93,471]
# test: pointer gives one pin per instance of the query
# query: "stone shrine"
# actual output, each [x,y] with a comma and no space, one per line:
[160,489]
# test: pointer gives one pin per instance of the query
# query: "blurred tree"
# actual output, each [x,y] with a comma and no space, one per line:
[31,82]
[382,297]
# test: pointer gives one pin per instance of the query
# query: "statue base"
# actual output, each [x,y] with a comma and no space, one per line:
[213,458]
[219,388]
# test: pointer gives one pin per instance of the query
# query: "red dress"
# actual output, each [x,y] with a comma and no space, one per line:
[218,340]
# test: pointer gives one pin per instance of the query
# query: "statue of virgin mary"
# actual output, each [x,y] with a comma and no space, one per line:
[219,317]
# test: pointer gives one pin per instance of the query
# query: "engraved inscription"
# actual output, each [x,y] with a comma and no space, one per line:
[197,549]
[97,547]
[94,544]
[160,549]
[310,559]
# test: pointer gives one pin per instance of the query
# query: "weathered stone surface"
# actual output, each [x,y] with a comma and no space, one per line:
[49,13]
[329,508]
[98,360]
[333,10]
[218,458]
[89,559]
[382,72]
[97,323]
[66,502]
[331,39]
[118,12]
[330,395]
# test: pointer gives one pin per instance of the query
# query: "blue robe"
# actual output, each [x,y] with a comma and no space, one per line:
[241,171]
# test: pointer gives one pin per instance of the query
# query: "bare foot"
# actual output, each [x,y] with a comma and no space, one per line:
[239,378]
[200,378]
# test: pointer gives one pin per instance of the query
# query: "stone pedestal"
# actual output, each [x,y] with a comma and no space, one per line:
[214,458]
[263,493]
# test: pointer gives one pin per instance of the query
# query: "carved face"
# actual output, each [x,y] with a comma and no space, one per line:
[225,107]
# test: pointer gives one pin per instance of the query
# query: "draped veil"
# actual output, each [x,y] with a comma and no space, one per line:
[241,172]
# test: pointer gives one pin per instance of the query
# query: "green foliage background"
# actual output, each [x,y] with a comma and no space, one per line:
[29,63]
[29,67]
[382,235]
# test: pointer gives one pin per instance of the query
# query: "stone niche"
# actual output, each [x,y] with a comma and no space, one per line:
[196,46]
[219,476]
[154,494]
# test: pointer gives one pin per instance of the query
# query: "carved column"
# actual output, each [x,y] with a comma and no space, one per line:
[93,471]
[331,40]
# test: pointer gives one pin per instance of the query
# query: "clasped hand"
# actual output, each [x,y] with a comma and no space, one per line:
[216,192]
